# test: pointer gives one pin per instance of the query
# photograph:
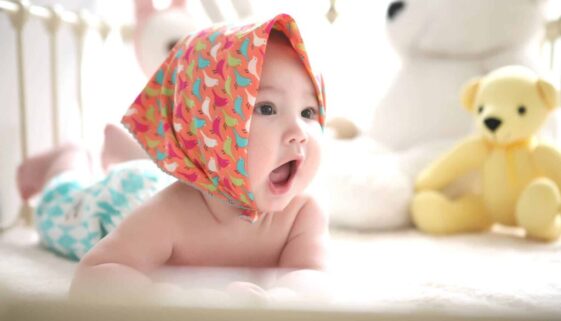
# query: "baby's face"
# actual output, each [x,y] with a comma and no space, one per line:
[284,149]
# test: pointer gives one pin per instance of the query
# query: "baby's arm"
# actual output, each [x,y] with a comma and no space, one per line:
[301,263]
[305,256]
[120,262]
[307,241]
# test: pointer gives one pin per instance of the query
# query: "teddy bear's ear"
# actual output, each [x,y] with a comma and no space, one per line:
[469,92]
[548,93]
[143,9]
[178,4]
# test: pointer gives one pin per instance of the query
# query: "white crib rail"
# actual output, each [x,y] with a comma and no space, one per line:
[53,17]
[552,38]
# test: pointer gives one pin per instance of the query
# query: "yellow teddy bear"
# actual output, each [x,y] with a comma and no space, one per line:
[520,177]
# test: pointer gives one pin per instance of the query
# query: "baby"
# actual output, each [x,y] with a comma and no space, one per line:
[235,116]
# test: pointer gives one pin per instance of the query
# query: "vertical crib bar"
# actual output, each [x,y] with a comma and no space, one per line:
[18,20]
[551,54]
[552,42]
[53,24]
[80,30]
[553,35]
[331,14]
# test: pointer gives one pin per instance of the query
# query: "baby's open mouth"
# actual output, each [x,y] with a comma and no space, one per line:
[282,176]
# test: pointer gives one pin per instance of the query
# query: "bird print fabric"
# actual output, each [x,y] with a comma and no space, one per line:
[194,115]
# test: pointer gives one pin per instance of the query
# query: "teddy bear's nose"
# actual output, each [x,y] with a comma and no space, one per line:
[395,8]
[492,123]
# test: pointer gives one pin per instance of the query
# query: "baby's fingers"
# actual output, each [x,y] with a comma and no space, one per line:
[248,292]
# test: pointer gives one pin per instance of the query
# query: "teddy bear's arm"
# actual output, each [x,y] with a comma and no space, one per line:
[547,159]
[468,155]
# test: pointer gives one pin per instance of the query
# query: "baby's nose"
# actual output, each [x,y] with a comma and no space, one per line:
[492,123]
[300,140]
[296,134]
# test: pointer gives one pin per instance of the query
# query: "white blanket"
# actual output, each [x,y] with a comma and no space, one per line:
[402,271]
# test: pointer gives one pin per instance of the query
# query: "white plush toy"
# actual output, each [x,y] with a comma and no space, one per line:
[157,31]
[441,44]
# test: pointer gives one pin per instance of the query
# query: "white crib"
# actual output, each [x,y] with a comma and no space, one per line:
[47,87]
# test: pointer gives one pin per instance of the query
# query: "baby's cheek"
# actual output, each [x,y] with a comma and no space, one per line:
[313,161]
[258,159]
[316,146]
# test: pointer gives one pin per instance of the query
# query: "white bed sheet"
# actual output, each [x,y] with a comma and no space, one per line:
[403,271]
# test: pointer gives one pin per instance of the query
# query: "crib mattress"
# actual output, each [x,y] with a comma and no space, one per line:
[379,274]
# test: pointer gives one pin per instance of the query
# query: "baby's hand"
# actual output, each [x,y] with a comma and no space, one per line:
[235,293]
[247,291]
[284,295]
[250,292]
[170,294]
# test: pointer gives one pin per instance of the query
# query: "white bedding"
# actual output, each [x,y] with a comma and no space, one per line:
[381,272]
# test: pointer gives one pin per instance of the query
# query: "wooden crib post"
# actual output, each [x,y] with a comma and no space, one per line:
[18,20]
[553,34]
[331,14]
[553,31]
[80,29]
[53,25]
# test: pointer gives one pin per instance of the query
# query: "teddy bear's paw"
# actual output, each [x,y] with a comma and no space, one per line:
[537,209]
[434,213]
[428,211]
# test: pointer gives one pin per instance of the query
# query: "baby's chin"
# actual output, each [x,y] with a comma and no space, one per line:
[272,208]
[274,205]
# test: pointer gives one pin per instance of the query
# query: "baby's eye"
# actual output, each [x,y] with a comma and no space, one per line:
[265,109]
[521,110]
[309,113]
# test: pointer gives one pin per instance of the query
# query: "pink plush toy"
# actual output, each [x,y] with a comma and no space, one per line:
[157,31]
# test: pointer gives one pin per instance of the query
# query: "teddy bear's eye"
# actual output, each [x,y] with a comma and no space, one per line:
[521,110]
[480,109]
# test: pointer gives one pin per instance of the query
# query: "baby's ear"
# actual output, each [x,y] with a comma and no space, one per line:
[469,92]
[548,93]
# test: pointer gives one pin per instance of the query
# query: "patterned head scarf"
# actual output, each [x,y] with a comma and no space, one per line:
[194,115]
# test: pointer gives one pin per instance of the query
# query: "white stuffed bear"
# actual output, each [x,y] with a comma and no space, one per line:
[441,44]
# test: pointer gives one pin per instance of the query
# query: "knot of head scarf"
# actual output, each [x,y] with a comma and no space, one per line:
[194,115]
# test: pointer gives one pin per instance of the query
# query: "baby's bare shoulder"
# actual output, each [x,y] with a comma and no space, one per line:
[176,200]
[307,201]
[306,246]
[308,212]
[176,192]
